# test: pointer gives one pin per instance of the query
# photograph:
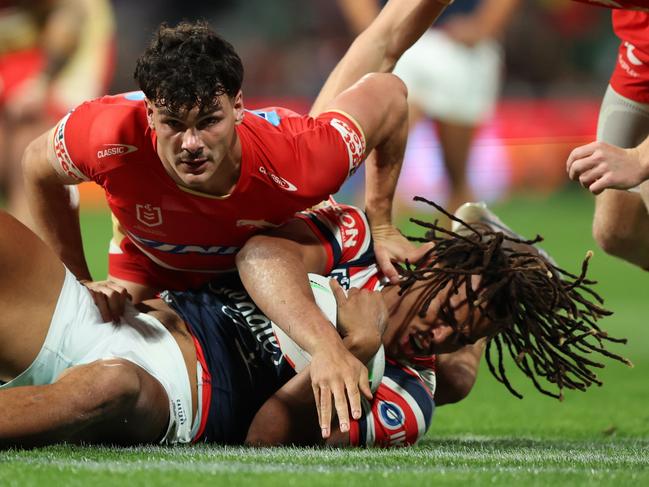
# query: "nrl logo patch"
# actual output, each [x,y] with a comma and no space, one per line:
[149,215]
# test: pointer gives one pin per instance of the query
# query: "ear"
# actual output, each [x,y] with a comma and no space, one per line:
[150,107]
[237,107]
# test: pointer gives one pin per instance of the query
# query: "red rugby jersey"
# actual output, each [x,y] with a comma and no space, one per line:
[289,163]
[630,77]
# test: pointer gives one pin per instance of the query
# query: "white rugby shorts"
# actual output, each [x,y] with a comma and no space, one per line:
[451,81]
[77,335]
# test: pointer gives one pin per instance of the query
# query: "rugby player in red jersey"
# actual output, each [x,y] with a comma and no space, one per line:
[201,365]
[616,166]
[189,174]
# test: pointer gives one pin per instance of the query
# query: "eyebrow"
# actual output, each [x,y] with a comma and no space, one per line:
[206,112]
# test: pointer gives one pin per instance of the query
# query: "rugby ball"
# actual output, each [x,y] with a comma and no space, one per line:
[299,358]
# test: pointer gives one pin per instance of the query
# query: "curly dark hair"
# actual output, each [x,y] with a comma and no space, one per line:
[545,317]
[188,66]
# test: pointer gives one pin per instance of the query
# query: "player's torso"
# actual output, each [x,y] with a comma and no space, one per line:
[185,230]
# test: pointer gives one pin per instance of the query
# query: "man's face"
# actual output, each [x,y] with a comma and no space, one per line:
[431,334]
[197,146]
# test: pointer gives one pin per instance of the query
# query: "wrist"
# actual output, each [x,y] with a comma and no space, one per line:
[363,346]
[379,212]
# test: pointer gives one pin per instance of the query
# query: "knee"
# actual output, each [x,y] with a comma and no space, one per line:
[611,233]
[105,389]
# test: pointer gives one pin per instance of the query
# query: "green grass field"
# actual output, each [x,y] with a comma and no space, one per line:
[600,437]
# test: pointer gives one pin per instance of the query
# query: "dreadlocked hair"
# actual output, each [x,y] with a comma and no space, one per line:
[545,317]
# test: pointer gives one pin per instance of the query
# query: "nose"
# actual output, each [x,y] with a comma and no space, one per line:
[191,141]
[442,334]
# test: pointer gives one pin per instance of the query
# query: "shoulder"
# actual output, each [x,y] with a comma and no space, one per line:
[89,137]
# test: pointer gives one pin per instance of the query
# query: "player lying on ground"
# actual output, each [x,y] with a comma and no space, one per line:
[152,377]
[156,378]
[507,292]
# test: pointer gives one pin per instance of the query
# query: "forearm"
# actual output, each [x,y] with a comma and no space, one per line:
[377,49]
[55,214]
[276,279]
[456,373]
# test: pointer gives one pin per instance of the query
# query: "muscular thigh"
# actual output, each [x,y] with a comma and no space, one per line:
[30,283]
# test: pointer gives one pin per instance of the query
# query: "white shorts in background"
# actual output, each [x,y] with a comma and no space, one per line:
[451,81]
[78,335]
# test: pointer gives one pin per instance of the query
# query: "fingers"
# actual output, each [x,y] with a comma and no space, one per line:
[364,385]
[342,409]
[419,252]
[580,153]
[338,291]
[324,411]
[101,301]
[387,267]
[354,396]
[110,298]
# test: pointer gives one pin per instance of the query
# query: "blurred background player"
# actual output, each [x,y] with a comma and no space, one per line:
[453,73]
[619,159]
[54,54]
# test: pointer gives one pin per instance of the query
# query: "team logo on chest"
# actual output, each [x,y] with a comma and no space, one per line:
[151,216]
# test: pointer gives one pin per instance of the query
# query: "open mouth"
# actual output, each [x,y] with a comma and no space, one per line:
[420,346]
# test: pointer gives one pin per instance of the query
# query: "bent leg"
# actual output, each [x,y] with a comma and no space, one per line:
[621,221]
[456,140]
[107,401]
[30,283]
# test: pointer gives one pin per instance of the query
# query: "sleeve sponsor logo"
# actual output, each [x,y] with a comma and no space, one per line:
[62,156]
[354,142]
[115,150]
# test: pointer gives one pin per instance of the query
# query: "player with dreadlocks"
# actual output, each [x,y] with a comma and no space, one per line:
[542,314]
[476,286]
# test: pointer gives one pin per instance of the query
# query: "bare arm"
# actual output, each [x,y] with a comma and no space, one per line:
[55,214]
[56,217]
[274,268]
[378,104]
[456,373]
[377,49]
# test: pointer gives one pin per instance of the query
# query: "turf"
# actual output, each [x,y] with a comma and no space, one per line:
[600,437]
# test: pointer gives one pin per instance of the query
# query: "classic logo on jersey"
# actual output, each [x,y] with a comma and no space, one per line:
[151,216]
[391,415]
[354,142]
[256,224]
[62,155]
[279,181]
[625,4]
[115,150]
